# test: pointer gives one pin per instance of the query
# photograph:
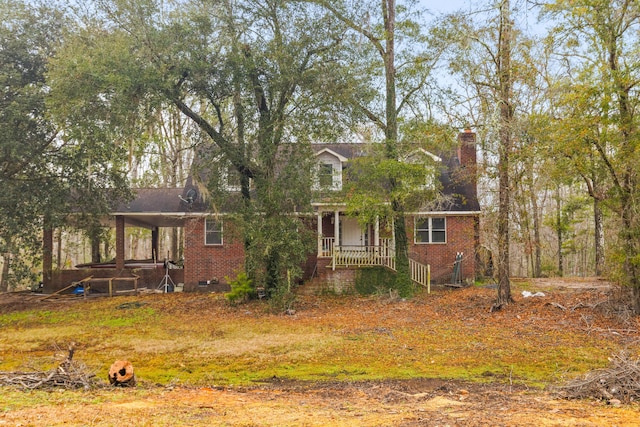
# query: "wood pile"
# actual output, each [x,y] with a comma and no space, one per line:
[69,374]
[618,383]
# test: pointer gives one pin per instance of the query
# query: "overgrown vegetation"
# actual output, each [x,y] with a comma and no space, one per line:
[374,280]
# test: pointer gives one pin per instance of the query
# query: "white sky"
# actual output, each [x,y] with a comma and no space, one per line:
[445,6]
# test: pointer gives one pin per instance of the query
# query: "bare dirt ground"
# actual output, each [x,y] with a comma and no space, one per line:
[386,403]
[419,402]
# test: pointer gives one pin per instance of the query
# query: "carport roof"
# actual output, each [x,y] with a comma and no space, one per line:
[156,207]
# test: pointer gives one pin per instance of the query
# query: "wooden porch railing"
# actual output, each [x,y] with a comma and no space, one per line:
[361,256]
[365,256]
[326,248]
[420,273]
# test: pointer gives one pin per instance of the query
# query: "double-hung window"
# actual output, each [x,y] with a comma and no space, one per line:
[232,179]
[212,232]
[431,230]
[325,176]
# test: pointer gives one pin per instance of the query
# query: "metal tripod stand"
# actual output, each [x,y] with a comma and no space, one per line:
[166,283]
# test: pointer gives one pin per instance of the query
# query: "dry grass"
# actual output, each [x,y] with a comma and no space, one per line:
[198,340]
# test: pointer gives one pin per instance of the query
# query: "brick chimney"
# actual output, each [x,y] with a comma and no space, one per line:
[467,148]
[468,173]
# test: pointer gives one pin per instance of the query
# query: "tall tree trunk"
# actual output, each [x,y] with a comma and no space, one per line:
[598,219]
[95,246]
[59,248]
[559,233]
[630,266]
[391,140]
[595,193]
[627,186]
[4,274]
[506,120]
[537,266]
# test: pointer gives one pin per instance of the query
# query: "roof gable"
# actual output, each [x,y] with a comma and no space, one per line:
[422,151]
[333,153]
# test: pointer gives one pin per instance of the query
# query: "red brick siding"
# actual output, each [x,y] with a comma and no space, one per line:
[461,237]
[211,262]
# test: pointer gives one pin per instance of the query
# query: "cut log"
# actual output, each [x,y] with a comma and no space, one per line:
[121,374]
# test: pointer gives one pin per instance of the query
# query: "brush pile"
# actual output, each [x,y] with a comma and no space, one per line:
[69,374]
[620,382]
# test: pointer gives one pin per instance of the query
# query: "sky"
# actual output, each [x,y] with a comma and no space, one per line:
[445,6]
[526,15]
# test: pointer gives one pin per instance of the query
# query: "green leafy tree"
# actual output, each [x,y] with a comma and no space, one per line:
[572,134]
[249,74]
[390,76]
[42,172]
[599,45]
[488,57]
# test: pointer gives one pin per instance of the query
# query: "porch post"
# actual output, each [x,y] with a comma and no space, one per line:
[320,233]
[119,242]
[376,232]
[336,229]
[154,244]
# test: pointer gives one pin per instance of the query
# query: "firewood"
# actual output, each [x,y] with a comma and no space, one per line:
[121,374]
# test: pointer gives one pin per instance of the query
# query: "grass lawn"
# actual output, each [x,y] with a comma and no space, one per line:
[198,340]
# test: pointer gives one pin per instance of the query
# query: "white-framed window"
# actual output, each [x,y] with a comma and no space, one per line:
[325,176]
[430,230]
[231,178]
[428,176]
[328,170]
[212,232]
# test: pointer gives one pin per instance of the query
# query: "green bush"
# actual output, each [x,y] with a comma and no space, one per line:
[241,289]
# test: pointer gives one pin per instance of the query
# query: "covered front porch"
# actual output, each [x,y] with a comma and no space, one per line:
[346,243]
[342,234]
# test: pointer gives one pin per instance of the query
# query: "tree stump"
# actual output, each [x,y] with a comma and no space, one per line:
[121,374]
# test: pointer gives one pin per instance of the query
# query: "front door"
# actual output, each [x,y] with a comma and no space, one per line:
[352,234]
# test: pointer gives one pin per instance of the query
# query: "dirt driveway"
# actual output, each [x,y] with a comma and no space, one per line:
[388,403]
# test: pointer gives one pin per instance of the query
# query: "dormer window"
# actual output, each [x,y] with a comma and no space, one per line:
[232,179]
[427,160]
[430,178]
[325,176]
[329,170]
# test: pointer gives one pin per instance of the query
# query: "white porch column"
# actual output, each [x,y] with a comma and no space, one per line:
[319,233]
[376,232]
[336,228]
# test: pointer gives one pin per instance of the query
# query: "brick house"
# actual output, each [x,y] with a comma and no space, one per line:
[213,250]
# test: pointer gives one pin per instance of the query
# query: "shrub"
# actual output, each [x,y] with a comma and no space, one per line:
[241,289]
